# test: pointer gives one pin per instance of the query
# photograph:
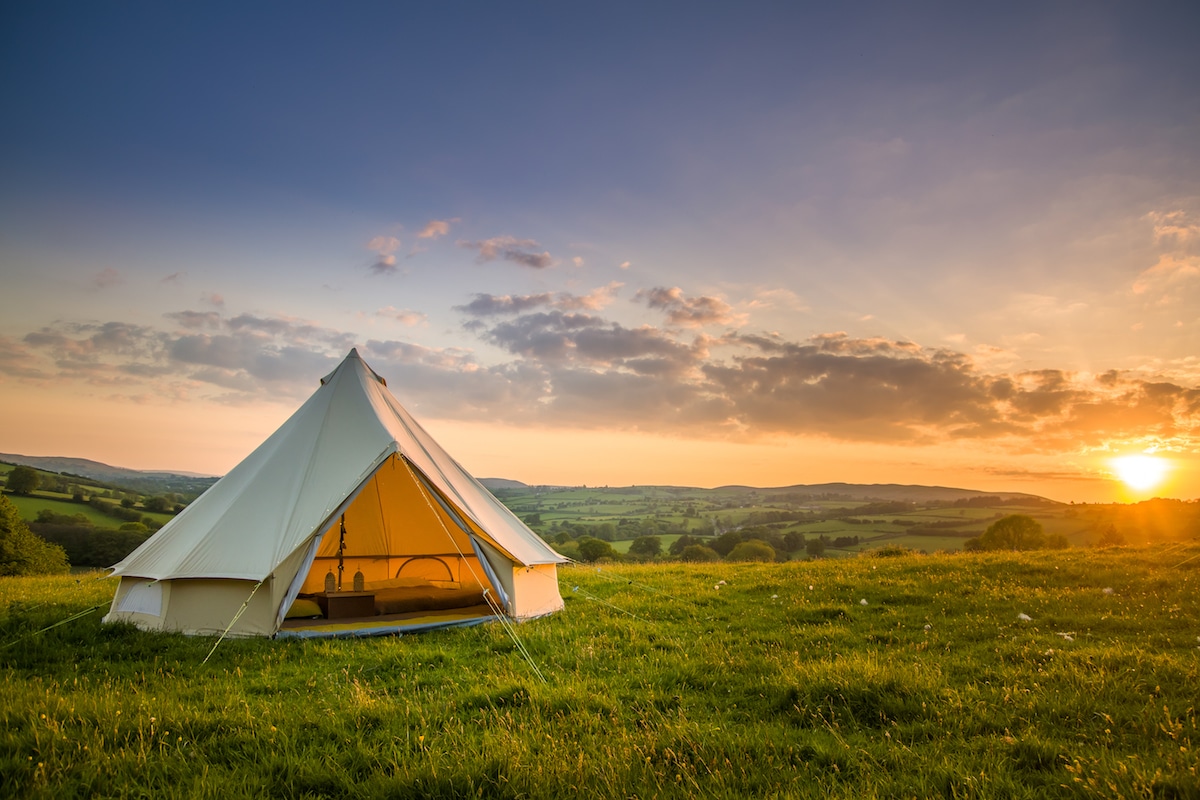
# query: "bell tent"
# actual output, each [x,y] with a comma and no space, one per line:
[349,520]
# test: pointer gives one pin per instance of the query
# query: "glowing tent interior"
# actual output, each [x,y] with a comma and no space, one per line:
[349,520]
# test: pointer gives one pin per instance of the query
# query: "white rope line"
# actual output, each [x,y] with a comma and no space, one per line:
[501,613]
[578,591]
[233,622]
[626,581]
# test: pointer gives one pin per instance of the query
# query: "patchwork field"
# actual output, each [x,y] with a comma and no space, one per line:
[913,676]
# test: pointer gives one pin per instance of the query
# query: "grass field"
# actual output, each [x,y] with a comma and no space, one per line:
[29,507]
[721,680]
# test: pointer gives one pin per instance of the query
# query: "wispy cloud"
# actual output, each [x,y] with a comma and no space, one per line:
[1178,237]
[404,316]
[385,248]
[509,248]
[194,320]
[17,360]
[437,228]
[106,278]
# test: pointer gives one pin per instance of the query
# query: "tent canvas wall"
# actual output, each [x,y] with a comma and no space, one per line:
[351,481]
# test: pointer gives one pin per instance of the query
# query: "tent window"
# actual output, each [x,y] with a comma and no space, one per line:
[143,597]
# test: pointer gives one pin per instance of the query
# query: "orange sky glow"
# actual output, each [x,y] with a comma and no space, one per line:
[808,244]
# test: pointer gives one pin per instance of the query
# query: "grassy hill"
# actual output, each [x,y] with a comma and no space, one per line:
[913,676]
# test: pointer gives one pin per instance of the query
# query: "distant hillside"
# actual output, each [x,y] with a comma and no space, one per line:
[149,481]
[892,492]
[502,483]
[885,491]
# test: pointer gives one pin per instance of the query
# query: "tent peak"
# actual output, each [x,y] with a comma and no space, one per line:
[353,354]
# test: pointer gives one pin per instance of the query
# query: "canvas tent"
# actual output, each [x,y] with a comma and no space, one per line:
[349,493]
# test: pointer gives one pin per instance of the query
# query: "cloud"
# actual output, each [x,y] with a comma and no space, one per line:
[214,299]
[403,316]
[558,337]
[577,261]
[1173,227]
[695,312]
[385,248]
[17,360]
[508,248]
[437,228]
[488,305]
[106,278]
[778,298]
[174,277]
[253,355]
[572,367]
[626,264]
[195,319]
[594,300]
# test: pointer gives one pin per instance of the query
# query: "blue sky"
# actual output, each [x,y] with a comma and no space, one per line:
[789,241]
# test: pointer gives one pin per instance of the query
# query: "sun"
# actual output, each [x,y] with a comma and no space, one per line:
[1140,472]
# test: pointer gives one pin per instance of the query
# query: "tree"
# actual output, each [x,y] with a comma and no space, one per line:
[753,550]
[646,547]
[677,546]
[158,504]
[815,547]
[1014,532]
[1111,537]
[593,549]
[22,552]
[23,480]
[726,542]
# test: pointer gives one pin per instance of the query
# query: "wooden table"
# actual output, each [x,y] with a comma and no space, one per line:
[340,605]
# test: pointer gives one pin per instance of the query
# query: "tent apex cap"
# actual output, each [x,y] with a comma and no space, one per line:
[353,354]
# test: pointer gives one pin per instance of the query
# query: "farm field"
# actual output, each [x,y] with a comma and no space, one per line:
[29,506]
[667,680]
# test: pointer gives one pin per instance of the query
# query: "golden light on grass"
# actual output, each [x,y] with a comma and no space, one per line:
[1140,472]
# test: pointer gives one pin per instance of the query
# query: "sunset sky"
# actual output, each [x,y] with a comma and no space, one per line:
[613,243]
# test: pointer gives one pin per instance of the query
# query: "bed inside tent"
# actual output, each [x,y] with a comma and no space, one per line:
[400,557]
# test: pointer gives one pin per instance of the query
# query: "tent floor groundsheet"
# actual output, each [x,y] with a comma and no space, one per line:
[383,625]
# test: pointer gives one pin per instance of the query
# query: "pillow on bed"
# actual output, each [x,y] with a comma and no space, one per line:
[304,608]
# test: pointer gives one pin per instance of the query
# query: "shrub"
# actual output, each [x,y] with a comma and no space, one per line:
[753,550]
[699,553]
[888,551]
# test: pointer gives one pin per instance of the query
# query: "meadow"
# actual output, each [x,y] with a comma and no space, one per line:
[909,676]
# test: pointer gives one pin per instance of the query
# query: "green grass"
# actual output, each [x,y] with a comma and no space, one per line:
[660,681]
[29,506]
